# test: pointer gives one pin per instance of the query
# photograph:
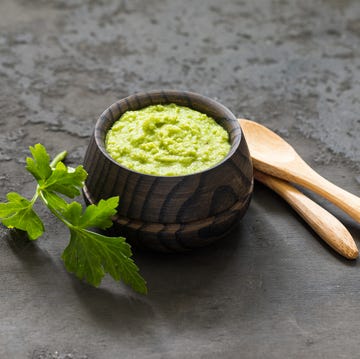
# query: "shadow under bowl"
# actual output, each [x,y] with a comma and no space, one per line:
[171,213]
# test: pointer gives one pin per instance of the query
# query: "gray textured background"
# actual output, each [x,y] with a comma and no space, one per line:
[270,290]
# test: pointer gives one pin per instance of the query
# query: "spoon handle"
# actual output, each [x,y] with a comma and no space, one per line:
[328,227]
[301,173]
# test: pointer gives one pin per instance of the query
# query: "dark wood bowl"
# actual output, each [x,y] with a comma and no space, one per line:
[171,213]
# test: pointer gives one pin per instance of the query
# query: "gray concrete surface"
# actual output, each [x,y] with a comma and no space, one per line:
[272,289]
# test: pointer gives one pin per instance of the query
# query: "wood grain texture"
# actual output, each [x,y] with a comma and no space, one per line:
[154,211]
[327,226]
[273,155]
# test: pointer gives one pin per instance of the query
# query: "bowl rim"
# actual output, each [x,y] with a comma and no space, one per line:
[215,104]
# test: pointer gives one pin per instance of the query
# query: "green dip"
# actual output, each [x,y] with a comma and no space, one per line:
[167,140]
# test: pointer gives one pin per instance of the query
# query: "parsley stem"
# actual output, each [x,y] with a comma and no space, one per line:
[36,195]
[55,212]
[58,158]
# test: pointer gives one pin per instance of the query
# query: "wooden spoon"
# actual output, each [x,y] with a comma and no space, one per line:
[328,227]
[273,155]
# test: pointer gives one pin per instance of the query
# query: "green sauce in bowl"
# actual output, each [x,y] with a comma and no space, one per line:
[167,140]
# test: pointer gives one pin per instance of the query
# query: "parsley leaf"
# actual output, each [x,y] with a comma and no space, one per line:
[18,213]
[65,180]
[90,255]
[55,177]
[39,165]
[53,201]
[100,215]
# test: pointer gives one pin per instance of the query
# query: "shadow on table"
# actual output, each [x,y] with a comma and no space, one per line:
[174,280]
[25,249]
[271,202]
[113,306]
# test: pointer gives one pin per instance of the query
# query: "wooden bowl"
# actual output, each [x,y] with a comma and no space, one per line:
[171,213]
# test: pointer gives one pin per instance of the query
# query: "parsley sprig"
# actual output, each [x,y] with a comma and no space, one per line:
[89,255]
